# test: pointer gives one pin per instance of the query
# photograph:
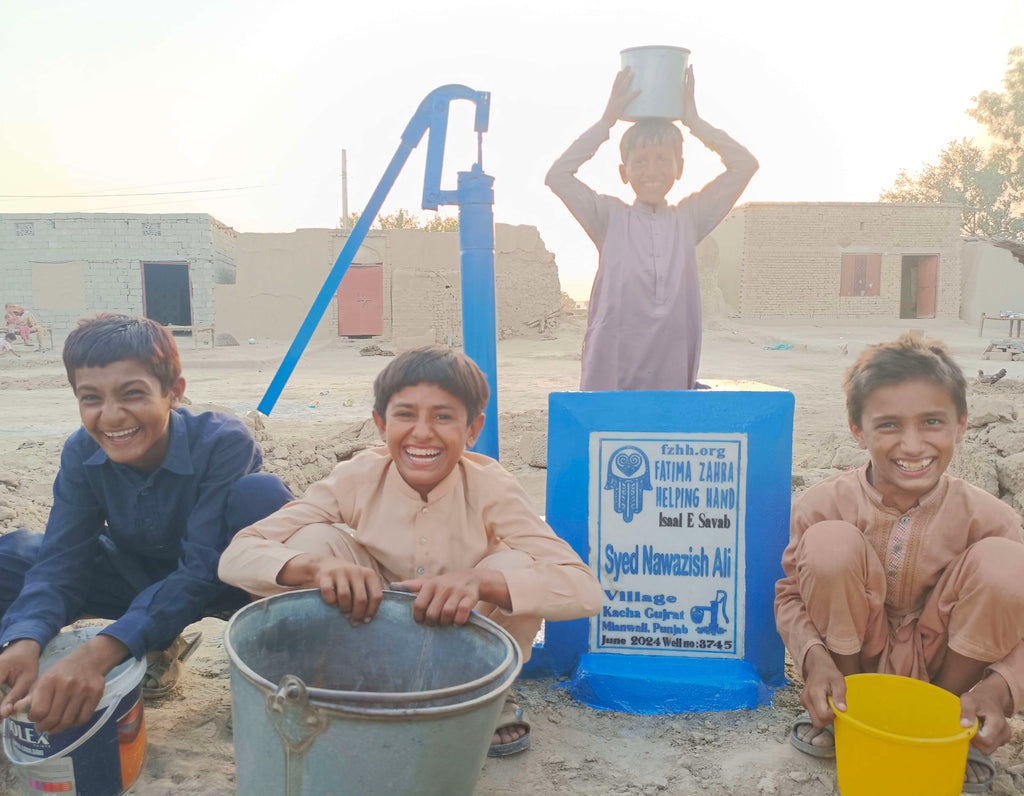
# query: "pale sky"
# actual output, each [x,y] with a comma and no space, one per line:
[259,97]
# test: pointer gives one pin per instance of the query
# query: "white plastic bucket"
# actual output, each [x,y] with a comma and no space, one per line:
[98,758]
[658,72]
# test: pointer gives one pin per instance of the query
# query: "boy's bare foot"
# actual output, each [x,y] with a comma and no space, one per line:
[980,772]
[816,736]
[512,733]
[508,734]
[811,740]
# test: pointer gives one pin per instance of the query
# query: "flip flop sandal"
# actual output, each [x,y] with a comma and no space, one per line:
[165,667]
[804,720]
[511,716]
[975,756]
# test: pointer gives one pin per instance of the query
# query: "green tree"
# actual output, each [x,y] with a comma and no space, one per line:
[439,223]
[964,175]
[988,182]
[403,219]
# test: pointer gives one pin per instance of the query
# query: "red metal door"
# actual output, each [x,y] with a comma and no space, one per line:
[361,301]
[927,285]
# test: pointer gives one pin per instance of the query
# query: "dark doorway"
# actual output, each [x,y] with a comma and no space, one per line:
[919,282]
[167,293]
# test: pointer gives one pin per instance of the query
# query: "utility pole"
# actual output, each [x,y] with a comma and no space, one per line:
[344,190]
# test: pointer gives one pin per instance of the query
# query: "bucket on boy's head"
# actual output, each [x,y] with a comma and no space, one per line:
[102,757]
[900,737]
[658,73]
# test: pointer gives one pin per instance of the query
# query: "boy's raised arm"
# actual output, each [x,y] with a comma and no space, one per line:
[622,94]
[583,202]
[714,201]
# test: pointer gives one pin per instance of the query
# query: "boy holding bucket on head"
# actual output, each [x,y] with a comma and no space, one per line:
[147,497]
[899,568]
[428,516]
[644,320]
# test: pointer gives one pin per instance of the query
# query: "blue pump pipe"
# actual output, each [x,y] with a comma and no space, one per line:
[475,198]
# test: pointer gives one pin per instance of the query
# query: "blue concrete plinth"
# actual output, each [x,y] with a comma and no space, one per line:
[679,502]
[649,685]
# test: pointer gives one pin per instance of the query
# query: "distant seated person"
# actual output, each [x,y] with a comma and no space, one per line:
[426,515]
[20,320]
[147,496]
[899,568]
[5,344]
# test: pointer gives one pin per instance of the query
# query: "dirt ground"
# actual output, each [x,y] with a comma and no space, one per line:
[575,749]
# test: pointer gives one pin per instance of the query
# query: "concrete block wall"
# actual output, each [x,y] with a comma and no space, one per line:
[65,266]
[279,274]
[789,256]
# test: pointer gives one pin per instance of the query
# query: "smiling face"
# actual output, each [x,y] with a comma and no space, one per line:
[426,430]
[651,171]
[124,408]
[911,430]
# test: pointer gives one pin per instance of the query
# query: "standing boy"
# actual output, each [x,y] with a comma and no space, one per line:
[899,568]
[644,320]
[147,497]
[423,513]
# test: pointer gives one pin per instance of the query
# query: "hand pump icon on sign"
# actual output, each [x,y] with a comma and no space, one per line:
[698,612]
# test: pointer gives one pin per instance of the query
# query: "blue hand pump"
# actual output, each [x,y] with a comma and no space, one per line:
[475,197]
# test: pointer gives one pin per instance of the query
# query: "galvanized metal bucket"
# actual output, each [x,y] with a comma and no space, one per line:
[390,707]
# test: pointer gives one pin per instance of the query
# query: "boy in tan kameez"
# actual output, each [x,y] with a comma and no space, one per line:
[899,568]
[428,516]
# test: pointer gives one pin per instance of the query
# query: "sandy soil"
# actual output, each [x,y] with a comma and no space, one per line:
[575,749]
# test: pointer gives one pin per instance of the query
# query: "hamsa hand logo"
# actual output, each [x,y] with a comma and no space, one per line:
[629,476]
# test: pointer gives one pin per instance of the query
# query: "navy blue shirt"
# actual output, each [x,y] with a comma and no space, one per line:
[170,522]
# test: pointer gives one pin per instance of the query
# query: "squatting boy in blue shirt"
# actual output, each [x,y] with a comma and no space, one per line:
[147,497]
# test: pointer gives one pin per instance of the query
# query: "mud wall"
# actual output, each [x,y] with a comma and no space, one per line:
[279,274]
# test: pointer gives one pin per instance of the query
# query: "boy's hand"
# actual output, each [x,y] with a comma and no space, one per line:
[822,679]
[989,702]
[19,668]
[66,694]
[450,598]
[354,589]
[689,103]
[620,97]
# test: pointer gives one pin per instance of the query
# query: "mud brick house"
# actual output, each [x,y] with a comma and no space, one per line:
[64,266]
[191,270]
[838,259]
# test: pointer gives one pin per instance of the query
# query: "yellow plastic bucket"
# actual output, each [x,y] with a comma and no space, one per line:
[900,737]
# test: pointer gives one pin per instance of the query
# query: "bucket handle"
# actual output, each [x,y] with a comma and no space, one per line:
[95,728]
[115,700]
[298,724]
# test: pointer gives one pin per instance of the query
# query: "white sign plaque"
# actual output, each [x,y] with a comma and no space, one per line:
[667,541]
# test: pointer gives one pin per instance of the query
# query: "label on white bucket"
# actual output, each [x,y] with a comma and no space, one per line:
[102,757]
[48,776]
[106,764]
